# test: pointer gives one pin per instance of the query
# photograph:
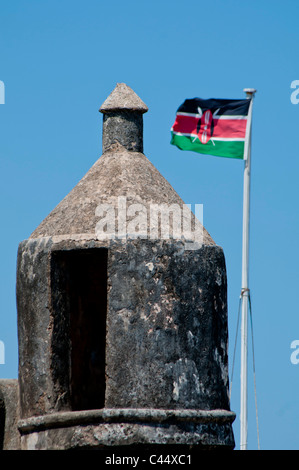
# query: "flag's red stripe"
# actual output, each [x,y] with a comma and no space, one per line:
[229,128]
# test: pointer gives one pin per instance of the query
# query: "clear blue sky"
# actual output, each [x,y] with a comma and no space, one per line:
[59,62]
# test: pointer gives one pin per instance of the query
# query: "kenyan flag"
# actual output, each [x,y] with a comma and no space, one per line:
[214,127]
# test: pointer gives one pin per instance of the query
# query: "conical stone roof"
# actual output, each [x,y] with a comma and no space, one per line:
[123,98]
[117,173]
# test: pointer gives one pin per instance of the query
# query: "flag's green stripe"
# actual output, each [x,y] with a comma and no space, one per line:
[230,149]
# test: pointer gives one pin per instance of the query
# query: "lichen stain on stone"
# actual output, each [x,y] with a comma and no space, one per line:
[126,315]
[31,441]
[220,359]
[190,338]
[185,370]
[150,266]
[175,392]
[218,277]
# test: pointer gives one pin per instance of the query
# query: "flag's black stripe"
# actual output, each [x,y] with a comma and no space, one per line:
[229,107]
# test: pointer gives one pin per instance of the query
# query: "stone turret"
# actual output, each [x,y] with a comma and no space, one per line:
[122,327]
[123,122]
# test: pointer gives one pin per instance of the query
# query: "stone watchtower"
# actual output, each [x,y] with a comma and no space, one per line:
[122,334]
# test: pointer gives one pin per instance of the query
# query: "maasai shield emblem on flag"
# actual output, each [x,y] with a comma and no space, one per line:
[213,126]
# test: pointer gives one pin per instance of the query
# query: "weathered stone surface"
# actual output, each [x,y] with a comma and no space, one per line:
[167,327]
[117,173]
[136,428]
[123,122]
[10,438]
[137,435]
[123,98]
[125,128]
[39,392]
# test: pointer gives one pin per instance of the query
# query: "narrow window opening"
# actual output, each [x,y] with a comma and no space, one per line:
[83,291]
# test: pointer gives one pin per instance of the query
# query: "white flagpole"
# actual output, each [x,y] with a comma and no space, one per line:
[245,271]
